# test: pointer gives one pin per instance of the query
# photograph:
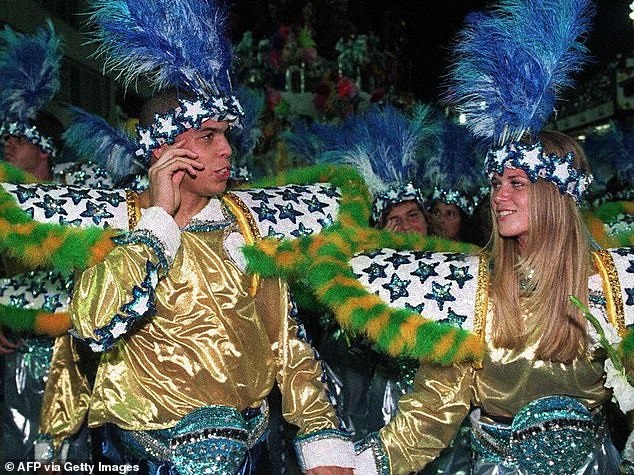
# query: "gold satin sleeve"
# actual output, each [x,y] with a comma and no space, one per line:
[102,289]
[67,394]
[428,417]
[304,400]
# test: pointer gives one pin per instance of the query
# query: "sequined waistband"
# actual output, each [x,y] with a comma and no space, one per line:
[211,427]
[547,435]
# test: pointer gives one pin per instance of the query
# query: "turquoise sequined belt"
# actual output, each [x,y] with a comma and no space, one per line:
[549,435]
[211,439]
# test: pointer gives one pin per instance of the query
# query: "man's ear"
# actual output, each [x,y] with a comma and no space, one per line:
[157,152]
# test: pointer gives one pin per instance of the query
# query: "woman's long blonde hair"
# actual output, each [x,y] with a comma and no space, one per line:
[555,264]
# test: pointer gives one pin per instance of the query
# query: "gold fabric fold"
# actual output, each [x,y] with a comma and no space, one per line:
[210,341]
[508,380]
[67,395]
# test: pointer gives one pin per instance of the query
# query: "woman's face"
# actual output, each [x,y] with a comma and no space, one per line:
[509,194]
[449,219]
[406,217]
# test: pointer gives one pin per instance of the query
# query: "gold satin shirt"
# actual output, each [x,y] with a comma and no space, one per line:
[210,343]
[431,414]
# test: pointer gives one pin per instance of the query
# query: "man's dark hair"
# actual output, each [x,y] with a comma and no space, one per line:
[162,103]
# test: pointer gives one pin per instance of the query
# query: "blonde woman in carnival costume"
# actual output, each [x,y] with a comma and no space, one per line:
[535,400]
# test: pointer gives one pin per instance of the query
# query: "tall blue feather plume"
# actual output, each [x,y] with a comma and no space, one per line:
[91,139]
[610,155]
[29,68]
[306,141]
[178,43]
[458,165]
[511,63]
[246,138]
[385,145]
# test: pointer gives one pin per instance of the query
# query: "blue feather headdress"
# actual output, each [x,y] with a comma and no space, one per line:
[180,44]
[610,156]
[307,141]
[91,139]
[387,147]
[29,68]
[454,174]
[245,138]
[510,65]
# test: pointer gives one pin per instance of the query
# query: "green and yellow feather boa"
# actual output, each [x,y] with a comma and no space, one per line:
[320,262]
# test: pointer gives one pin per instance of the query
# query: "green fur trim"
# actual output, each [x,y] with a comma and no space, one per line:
[46,245]
[608,212]
[322,262]
[18,319]
[13,174]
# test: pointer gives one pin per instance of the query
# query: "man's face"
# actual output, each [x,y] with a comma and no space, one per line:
[406,217]
[214,151]
[23,154]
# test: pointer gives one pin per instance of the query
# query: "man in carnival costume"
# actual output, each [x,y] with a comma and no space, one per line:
[29,66]
[186,389]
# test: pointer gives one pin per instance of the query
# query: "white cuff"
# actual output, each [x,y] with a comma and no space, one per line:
[161,226]
[366,464]
[43,451]
[330,448]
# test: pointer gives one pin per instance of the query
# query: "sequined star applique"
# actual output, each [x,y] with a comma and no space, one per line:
[165,127]
[113,198]
[375,271]
[441,294]
[119,328]
[453,318]
[630,296]
[51,302]
[374,254]
[265,213]
[454,256]
[419,255]
[397,260]
[77,195]
[36,288]
[51,206]
[96,211]
[425,271]
[24,194]
[331,192]
[289,195]
[315,206]
[66,222]
[193,112]
[275,234]
[301,189]
[145,138]
[18,300]
[288,212]
[397,287]
[327,221]
[261,195]
[459,274]
[418,308]
[302,231]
